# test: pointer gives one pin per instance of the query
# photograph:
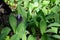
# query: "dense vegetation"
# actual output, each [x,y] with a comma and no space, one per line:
[31,20]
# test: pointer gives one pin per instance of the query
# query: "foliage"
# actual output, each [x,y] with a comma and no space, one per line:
[38,20]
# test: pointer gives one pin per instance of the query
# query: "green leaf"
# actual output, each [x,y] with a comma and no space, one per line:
[57,2]
[21,11]
[31,37]
[24,37]
[50,16]
[43,25]
[45,11]
[7,38]
[56,36]
[54,24]
[11,2]
[13,22]
[5,30]
[30,8]
[39,1]
[53,1]
[35,3]
[44,37]
[15,37]
[35,0]
[55,9]
[45,2]
[5,0]
[33,31]
[19,2]
[26,2]
[56,17]
[21,29]
[53,30]
[4,33]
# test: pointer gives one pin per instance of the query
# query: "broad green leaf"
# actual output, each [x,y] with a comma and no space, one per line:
[56,17]
[57,2]
[54,24]
[56,36]
[39,1]
[43,25]
[31,37]
[45,3]
[50,38]
[53,30]
[21,29]
[35,0]
[26,2]
[50,16]
[35,4]
[44,37]
[33,31]
[11,2]
[5,0]
[13,22]
[7,38]
[45,11]
[36,22]
[15,37]
[53,1]
[21,11]
[33,7]
[5,30]
[24,36]
[19,2]
[4,33]
[55,9]
[30,8]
